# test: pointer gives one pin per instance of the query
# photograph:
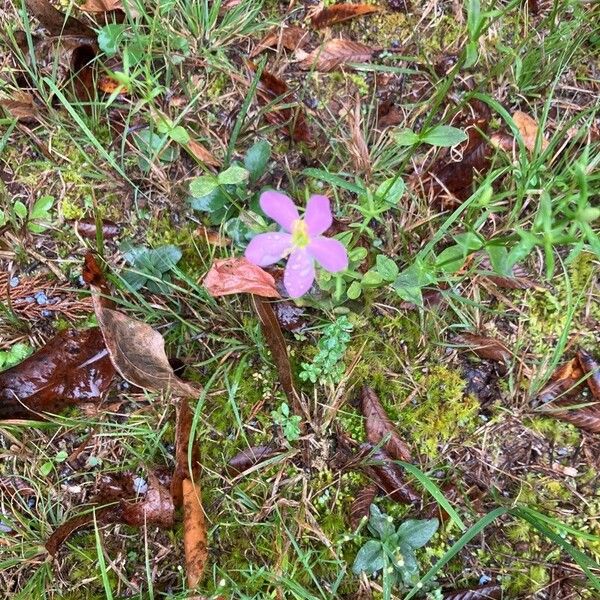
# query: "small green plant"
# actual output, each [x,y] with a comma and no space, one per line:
[392,550]
[440,135]
[14,356]
[290,424]
[37,219]
[47,467]
[328,365]
[151,266]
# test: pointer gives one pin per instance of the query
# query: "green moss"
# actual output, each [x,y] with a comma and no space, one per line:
[559,432]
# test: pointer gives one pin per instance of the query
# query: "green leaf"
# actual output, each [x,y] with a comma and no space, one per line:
[416,533]
[257,158]
[358,254]
[20,209]
[386,267]
[134,280]
[2,218]
[203,186]
[233,176]
[369,558]
[444,135]
[372,278]
[164,258]
[179,135]
[472,55]
[109,38]
[41,207]
[380,523]
[354,291]
[410,294]
[391,190]
[451,259]
[333,179]
[46,468]
[499,259]
[406,137]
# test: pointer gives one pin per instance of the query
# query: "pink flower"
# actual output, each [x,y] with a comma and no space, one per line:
[300,239]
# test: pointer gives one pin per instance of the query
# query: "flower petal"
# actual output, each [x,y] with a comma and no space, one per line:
[318,216]
[329,253]
[280,208]
[299,273]
[268,248]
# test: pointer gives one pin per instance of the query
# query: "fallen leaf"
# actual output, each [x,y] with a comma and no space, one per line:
[387,475]
[290,317]
[72,367]
[13,487]
[291,38]
[214,238]
[101,6]
[20,106]
[378,426]
[521,278]
[86,228]
[357,146]
[592,369]
[238,275]
[138,353]
[278,347]
[183,459]
[341,12]
[528,128]
[565,382]
[293,120]
[55,22]
[201,153]
[587,418]
[154,508]
[359,509]
[484,592]
[194,533]
[485,347]
[246,459]
[337,52]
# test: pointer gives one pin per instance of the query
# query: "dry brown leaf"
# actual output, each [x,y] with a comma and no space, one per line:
[358,148]
[101,5]
[214,238]
[360,507]
[194,533]
[20,106]
[335,53]
[528,128]
[484,592]
[57,23]
[378,426]
[592,369]
[291,38]
[138,353]
[485,347]
[202,154]
[246,459]
[239,275]
[341,12]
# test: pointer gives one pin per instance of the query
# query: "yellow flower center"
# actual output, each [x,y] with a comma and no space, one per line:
[300,237]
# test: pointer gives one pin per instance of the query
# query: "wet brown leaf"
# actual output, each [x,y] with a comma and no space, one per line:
[565,382]
[86,228]
[484,592]
[292,120]
[183,459]
[278,347]
[194,533]
[485,347]
[335,53]
[291,38]
[587,418]
[388,475]
[13,487]
[246,459]
[21,106]
[341,12]
[238,275]
[55,22]
[197,150]
[359,508]
[291,317]
[528,128]
[154,508]
[378,426]
[71,368]
[591,368]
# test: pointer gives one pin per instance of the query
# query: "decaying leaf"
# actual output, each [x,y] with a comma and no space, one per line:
[239,275]
[291,317]
[335,53]
[246,459]
[101,6]
[565,382]
[55,22]
[388,476]
[485,347]
[194,533]
[202,154]
[154,507]
[378,426]
[338,13]
[273,89]
[73,367]
[291,38]
[359,508]
[20,106]
[592,369]
[484,592]
[86,228]
[214,238]
[186,457]
[528,128]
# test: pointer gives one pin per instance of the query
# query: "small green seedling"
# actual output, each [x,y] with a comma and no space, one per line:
[37,219]
[392,550]
[440,135]
[290,424]
[151,266]
[47,467]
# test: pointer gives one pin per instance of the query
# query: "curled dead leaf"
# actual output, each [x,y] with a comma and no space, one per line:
[291,38]
[194,533]
[592,369]
[202,154]
[246,459]
[485,347]
[55,22]
[528,128]
[338,13]
[359,509]
[335,53]
[238,275]
[86,228]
